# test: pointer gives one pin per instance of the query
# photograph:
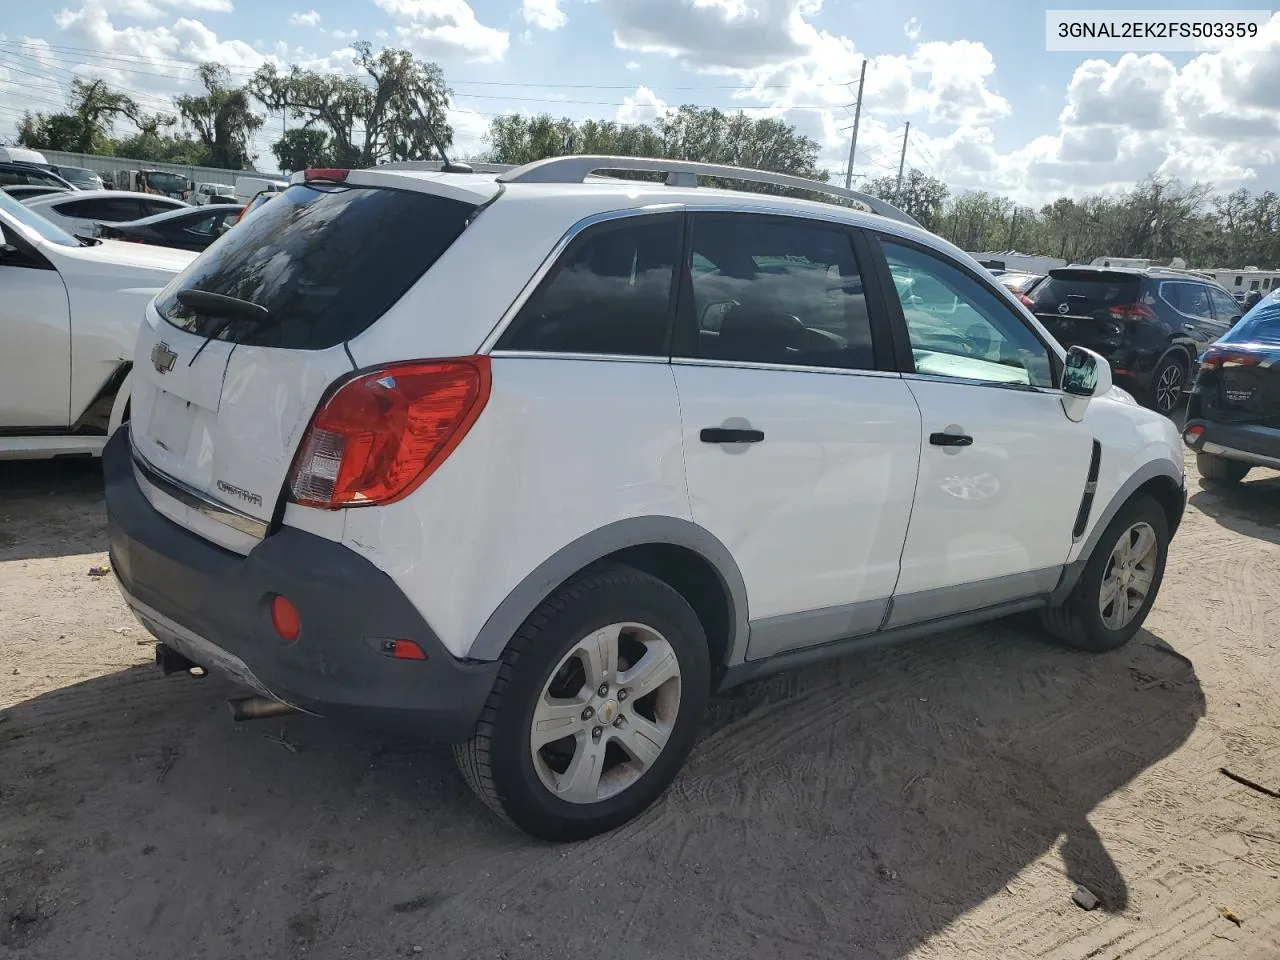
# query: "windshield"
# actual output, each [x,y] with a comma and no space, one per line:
[168,182]
[79,176]
[37,224]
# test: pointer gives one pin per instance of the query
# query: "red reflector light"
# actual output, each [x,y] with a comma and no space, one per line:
[381,434]
[403,650]
[328,174]
[286,619]
[1193,433]
[1026,301]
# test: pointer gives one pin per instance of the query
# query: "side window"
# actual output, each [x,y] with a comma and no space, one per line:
[959,328]
[152,207]
[1224,305]
[76,208]
[767,290]
[203,226]
[111,209]
[1191,299]
[611,293]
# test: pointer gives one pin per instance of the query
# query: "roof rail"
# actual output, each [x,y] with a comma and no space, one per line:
[437,165]
[685,173]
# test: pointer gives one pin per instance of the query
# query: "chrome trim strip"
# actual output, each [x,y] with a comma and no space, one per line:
[551,355]
[196,500]
[789,367]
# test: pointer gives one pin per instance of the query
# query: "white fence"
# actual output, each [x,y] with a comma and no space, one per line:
[107,167]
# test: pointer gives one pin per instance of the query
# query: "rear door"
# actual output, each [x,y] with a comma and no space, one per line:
[801,444]
[1194,310]
[220,401]
[1225,308]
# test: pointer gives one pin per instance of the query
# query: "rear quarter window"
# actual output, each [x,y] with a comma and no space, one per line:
[325,261]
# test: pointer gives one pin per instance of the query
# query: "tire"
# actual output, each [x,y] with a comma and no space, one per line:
[528,787]
[1220,469]
[1167,382]
[1079,621]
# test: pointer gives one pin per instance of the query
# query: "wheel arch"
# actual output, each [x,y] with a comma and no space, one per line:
[682,554]
[1158,479]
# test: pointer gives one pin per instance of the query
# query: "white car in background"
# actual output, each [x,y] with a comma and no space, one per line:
[69,316]
[80,213]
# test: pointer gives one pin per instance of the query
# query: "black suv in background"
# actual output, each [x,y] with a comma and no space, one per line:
[1151,324]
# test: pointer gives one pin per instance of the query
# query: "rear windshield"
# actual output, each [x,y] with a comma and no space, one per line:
[1087,289]
[326,261]
[1259,325]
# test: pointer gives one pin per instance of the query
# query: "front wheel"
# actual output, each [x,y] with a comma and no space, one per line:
[595,709]
[1167,381]
[1120,581]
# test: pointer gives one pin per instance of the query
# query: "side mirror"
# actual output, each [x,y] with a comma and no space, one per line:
[1086,375]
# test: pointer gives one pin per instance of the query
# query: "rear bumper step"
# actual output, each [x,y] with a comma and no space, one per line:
[1248,443]
[211,607]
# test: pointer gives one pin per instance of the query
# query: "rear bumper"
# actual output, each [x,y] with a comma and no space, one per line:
[1256,445]
[213,606]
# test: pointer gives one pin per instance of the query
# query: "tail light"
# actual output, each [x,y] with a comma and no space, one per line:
[1220,358]
[381,434]
[1025,300]
[327,174]
[1132,311]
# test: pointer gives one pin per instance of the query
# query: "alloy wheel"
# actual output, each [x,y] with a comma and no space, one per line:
[606,713]
[1169,388]
[1128,577]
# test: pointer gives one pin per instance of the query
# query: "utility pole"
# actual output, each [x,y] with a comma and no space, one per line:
[857,115]
[902,160]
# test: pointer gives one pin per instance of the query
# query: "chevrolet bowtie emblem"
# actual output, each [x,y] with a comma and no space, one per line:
[162,357]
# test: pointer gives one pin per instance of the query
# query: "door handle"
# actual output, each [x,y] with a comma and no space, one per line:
[728,435]
[1189,327]
[950,440]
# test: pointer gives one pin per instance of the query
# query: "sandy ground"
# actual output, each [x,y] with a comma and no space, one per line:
[938,800]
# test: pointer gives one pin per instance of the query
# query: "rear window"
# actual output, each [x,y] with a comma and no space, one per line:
[325,261]
[1087,289]
[1259,325]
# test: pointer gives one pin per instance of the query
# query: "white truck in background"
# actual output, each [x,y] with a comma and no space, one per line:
[249,187]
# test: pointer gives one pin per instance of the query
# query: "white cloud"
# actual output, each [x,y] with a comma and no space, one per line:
[644,107]
[632,65]
[344,34]
[912,28]
[308,19]
[543,14]
[469,129]
[439,28]
[711,34]
[155,9]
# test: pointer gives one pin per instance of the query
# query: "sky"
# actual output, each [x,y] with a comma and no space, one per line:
[989,108]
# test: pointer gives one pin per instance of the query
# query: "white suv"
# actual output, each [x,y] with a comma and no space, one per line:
[533,463]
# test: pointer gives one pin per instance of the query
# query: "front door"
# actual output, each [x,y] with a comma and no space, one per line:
[800,447]
[1002,469]
[35,338]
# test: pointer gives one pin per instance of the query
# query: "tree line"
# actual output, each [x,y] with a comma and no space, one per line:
[394,107]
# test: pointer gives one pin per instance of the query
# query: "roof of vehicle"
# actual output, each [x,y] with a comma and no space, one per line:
[52,199]
[575,180]
[35,189]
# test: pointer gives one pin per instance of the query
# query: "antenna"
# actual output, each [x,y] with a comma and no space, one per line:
[448,166]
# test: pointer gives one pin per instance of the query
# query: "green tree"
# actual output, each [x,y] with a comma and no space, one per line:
[85,126]
[918,195]
[222,117]
[303,147]
[401,114]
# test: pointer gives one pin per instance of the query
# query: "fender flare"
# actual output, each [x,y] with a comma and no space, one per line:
[120,403]
[595,546]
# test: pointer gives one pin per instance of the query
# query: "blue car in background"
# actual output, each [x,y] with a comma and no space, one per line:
[1233,413]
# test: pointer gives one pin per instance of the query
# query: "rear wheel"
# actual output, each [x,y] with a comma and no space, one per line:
[595,708]
[1220,469]
[1167,381]
[1120,581]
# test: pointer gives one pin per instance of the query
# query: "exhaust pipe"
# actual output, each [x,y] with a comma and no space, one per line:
[258,708]
[171,661]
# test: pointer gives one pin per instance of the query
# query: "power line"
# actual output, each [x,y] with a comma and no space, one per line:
[81,52]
